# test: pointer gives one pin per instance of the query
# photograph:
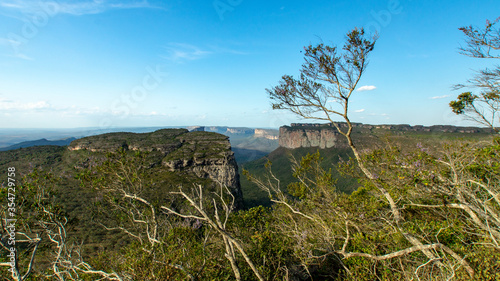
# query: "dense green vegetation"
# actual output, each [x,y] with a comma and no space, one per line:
[386,206]
[71,182]
[282,160]
[269,234]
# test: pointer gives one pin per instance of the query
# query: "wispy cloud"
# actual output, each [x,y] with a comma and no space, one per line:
[21,56]
[15,45]
[148,114]
[96,6]
[12,5]
[180,52]
[359,110]
[439,97]
[226,50]
[366,88]
[76,8]
[183,52]
[5,41]
[378,114]
[14,105]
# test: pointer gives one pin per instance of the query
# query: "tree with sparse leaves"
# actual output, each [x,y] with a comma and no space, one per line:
[322,92]
[482,106]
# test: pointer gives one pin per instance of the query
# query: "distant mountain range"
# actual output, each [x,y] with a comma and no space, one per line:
[39,142]
[247,143]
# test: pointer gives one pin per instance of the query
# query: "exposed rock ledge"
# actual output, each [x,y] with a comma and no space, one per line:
[307,137]
[207,155]
[326,136]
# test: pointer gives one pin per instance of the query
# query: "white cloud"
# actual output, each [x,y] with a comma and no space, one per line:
[5,41]
[21,56]
[376,114]
[179,52]
[226,50]
[14,44]
[148,114]
[366,88]
[11,5]
[13,105]
[76,8]
[440,97]
[96,7]
[359,110]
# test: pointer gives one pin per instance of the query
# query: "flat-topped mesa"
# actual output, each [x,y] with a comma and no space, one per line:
[399,127]
[267,134]
[326,135]
[164,141]
[240,131]
[309,136]
[207,155]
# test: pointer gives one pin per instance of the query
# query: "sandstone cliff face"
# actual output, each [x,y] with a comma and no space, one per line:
[295,137]
[400,128]
[326,135]
[206,155]
[267,134]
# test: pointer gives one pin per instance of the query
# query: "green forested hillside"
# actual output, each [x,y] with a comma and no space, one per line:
[282,162]
[282,159]
[94,189]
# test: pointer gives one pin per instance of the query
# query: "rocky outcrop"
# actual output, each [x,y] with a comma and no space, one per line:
[326,135]
[196,128]
[228,131]
[206,155]
[398,127]
[295,137]
[162,140]
[239,131]
[267,134]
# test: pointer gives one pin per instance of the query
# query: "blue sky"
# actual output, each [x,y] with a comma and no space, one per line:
[112,63]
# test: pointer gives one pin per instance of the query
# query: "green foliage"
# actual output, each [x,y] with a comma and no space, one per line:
[326,75]
[266,245]
[320,222]
[312,179]
[282,165]
[337,221]
[484,106]
[464,100]
[486,262]
[487,165]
